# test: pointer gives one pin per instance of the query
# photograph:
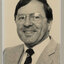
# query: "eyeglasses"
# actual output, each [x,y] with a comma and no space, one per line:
[31,17]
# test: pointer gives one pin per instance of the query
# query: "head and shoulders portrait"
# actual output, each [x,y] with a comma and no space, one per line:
[33,20]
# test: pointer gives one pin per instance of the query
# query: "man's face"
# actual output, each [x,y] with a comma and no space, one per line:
[32,23]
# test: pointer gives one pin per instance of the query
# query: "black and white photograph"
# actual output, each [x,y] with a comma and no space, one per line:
[32,31]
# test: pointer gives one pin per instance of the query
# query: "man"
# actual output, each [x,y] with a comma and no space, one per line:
[33,19]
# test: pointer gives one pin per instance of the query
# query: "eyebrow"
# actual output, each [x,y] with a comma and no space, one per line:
[20,14]
[37,14]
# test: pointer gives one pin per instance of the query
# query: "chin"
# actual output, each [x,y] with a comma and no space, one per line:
[30,45]
[28,42]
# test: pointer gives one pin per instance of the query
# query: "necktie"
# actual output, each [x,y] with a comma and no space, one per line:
[30,52]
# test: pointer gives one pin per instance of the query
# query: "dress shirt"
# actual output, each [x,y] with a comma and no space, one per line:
[38,49]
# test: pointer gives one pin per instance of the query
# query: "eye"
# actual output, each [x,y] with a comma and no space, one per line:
[37,17]
[21,18]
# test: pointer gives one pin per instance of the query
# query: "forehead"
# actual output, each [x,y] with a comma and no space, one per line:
[32,7]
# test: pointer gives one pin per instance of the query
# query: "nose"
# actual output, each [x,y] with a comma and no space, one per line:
[27,23]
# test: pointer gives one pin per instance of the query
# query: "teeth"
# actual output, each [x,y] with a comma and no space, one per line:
[28,31]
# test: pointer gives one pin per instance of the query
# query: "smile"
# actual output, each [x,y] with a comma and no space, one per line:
[29,32]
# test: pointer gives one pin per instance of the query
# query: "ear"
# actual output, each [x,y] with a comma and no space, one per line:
[49,25]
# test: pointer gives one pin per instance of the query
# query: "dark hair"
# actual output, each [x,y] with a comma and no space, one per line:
[47,8]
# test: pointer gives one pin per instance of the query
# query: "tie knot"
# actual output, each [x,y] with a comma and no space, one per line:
[30,51]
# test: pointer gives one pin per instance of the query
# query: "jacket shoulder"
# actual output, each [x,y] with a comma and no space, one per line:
[13,49]
[12,54]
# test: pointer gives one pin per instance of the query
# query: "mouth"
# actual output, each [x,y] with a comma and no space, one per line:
[29,32]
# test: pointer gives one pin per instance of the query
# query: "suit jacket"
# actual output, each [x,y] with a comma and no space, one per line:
[50,55]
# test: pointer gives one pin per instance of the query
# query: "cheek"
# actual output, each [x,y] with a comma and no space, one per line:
[19,25]
[19,32]
[41,23]
[44,28]
[38,24]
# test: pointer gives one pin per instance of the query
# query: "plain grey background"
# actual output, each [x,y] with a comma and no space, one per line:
[62,33]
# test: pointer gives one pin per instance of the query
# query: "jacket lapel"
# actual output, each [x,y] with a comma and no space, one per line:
[21,51]
[48,51]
